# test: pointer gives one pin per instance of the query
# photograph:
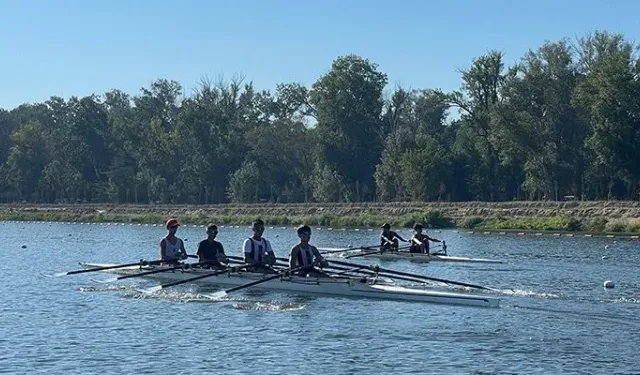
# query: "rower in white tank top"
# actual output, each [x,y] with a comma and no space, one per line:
[172,247]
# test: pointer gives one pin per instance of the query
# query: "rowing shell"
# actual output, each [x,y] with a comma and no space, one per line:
[337,286]
[418,257]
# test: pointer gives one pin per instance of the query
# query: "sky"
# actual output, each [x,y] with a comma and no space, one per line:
[76,48]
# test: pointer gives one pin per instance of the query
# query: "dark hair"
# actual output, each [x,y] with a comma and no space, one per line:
[418,225]
[257,222]
[212,227]
[304,229]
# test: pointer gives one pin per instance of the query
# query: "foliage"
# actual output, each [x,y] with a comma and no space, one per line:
[563,121]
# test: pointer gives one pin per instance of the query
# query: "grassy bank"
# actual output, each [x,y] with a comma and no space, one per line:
[594,217]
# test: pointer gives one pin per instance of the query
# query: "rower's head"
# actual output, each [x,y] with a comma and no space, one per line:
[386,227]
[304,233]
[258,228]
[172,225]
[418,227]
[212,231]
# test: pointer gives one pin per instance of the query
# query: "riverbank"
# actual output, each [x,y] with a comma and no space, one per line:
[573,216]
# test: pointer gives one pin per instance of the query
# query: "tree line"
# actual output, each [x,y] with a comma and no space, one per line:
[562,121]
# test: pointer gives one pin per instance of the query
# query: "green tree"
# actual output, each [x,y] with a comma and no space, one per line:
[347,104]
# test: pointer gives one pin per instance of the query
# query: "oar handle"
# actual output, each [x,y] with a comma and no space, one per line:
[276,276]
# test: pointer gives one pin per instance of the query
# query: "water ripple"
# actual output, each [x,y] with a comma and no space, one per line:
[555,317]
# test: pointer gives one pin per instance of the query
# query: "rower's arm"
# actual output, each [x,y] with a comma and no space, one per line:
[432,239]
[317,257]
[199,252]
[270,259]
[163,249]
[293,257]
[400,238]
[222,257]
[183,250]
[385,240]
[246,251]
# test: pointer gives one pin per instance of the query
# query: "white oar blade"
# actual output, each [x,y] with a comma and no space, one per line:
[151,290]
[217,295]
[56,274]
[106,281]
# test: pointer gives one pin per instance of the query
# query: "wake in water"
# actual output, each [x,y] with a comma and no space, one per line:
[110,288]
[269,306]
[240,302]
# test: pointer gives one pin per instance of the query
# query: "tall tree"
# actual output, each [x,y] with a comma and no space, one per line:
[481,86]
[609,100]
[348,105]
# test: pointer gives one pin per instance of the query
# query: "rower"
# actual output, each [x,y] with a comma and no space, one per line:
[257,251]
[389,239]
[171,247]
[303,254]
[420,241]
[210,251]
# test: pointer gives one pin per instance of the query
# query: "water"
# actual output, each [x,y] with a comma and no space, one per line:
[555,316]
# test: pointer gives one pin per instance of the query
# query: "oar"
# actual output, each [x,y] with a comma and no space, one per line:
[223,293]
[377,252]
[182,266]
[392,272]
[359,268]
[368,272]
[139,263]
[331,251]
[159,287]
[363,254]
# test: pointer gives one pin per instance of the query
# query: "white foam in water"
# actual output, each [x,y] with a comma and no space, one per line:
[269,306]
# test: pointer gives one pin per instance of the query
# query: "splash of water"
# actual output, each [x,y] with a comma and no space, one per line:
[269,306]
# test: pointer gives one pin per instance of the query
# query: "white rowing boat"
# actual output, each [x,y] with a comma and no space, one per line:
[413,257]
[368,287]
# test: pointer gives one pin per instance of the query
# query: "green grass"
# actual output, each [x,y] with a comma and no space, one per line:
[431,219]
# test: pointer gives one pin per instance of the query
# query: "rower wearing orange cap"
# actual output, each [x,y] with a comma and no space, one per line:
[171,247]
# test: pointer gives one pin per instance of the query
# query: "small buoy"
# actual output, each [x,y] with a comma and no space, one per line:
[277,235]
[24,246]
[604,257]
[609,284]
[606,247]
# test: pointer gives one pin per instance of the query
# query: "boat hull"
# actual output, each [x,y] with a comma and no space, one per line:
[425,258]
[338,286]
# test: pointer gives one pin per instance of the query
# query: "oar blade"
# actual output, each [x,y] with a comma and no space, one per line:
[151,290]
[107,281]
[217,295]
[56,274]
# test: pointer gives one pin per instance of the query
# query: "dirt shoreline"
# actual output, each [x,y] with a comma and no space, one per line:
[456,211]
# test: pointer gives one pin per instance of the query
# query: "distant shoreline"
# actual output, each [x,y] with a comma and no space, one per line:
[596,217]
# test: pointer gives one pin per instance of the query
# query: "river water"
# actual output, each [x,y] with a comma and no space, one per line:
[555,316]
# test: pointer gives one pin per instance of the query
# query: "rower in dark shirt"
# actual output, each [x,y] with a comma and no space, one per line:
[211,251]
[420,241]
[389,239]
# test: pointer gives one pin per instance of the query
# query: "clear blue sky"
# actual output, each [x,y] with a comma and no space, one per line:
[76,47]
